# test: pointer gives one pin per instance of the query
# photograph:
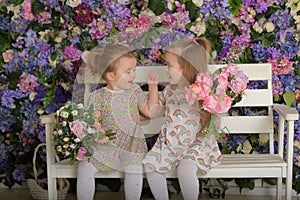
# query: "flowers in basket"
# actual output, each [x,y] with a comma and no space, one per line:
[217,92]
[77,131]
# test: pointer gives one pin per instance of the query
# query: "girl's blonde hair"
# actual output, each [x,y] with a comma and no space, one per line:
[192,56]
[104,61]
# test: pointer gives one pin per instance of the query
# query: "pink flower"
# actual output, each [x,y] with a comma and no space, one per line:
[284,66]
[222,83]
[82,154]
[79,128]
[28,15]
[217,103]
[237,86]
[27,82]
[231,69]
[72,53]
[202,85]
[189,95]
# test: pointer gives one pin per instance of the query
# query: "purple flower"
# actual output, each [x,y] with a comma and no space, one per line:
[72,53]
[273,53]
[277,86]
[19,174]
[259,52]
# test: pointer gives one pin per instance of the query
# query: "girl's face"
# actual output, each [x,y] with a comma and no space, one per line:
[123,77]
[173,70]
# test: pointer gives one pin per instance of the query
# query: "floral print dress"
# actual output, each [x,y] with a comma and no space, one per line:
[180,138]
[119,112]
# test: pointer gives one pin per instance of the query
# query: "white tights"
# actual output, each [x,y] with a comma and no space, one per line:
[133,182]
[187,177]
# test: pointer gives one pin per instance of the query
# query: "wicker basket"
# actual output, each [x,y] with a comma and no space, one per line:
[35,185]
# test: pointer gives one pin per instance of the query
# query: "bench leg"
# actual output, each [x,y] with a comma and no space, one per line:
[52,190]
[279,189]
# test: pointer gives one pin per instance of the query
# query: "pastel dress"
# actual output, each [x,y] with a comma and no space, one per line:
[119,112]
[180,138]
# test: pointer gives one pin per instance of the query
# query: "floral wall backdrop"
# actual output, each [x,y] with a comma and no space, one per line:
[42,43]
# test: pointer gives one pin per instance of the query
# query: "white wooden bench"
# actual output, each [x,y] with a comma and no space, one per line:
[272,165]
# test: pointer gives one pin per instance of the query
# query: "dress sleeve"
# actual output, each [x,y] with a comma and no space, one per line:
[94,100]
[139,95]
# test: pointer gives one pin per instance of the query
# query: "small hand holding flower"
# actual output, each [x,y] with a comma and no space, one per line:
[217,93]
[77,131]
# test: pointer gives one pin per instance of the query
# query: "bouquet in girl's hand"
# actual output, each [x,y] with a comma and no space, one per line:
[218,92]
[77,130]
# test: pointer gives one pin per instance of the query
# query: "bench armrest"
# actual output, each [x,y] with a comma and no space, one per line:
[288,113]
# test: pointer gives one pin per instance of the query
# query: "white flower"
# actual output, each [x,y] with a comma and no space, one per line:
[239,148]
[64,123]
[257,28]
[58,148]
[64,114]
[246,147]
[74,112]
[8,55]
[263,138]
[80,105]
[170,4]
[198,2]
[40,111]
[32,96]
[199,28]
[269,27]
[73,3]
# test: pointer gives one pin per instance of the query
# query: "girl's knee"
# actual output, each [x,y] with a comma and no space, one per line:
[186,166]
[86,168]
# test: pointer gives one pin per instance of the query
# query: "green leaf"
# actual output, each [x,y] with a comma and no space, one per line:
[289,98]
[234,6]
[37,7]
[157,6]
[193,10]
[5,40]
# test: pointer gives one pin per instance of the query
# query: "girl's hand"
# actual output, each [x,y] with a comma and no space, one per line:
[103,140]
[152,79]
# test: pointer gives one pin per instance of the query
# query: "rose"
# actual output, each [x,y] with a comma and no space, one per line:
[73,3]
[217,103]
[269,26]
[198,3]
[78,127]
[237,85]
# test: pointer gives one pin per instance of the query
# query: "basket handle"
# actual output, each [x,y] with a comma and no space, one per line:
[34,159]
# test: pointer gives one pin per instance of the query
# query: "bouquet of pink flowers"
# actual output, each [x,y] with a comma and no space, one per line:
[218,92]
[77,130]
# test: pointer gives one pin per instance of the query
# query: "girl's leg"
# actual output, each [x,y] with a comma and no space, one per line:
[158,185]
[188,180]
[133,182]
[86,180]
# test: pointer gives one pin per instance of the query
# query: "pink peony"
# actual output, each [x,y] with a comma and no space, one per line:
[217,104]
[79,128]
[82,154]
[222,83]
